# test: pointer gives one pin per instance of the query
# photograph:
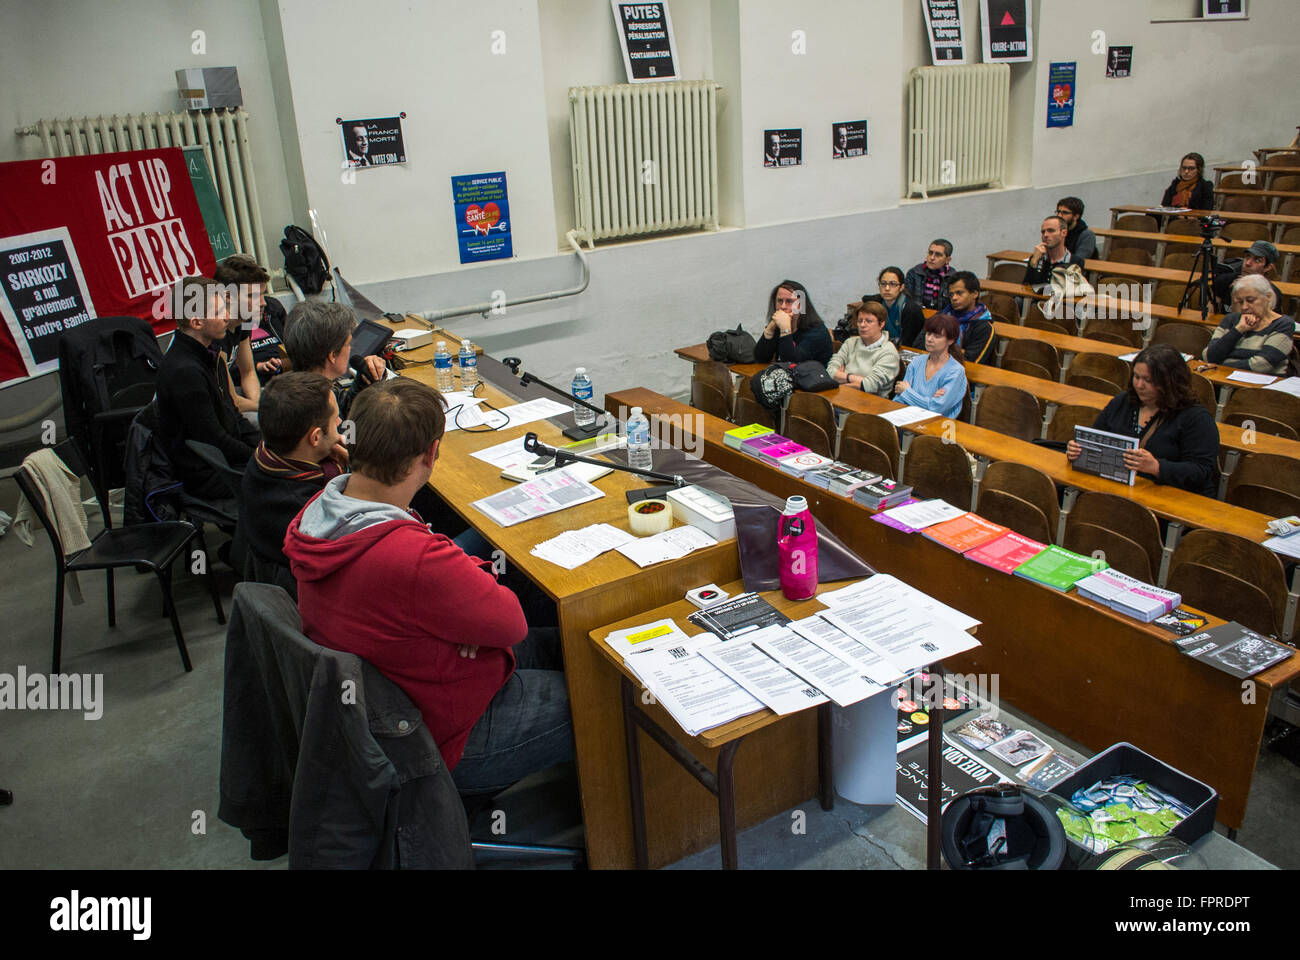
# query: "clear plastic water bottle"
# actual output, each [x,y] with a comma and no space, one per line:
[468,366]
[582,390]
[638,441]
[442,367]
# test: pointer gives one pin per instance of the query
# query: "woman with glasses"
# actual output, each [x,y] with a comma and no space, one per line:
[905,323]
[793,330]
[1254,336]
[1190,188]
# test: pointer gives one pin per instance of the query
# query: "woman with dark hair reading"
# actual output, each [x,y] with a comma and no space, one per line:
[1190,188]
[937,382]
[793,330]
[1178,439]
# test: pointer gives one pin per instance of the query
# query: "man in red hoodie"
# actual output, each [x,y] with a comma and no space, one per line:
[375,581]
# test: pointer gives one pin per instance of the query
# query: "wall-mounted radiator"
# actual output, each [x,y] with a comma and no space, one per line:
[223,134]
[644,158]
[958,118]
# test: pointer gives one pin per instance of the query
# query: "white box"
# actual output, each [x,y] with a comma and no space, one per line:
[709,511]
[409,338]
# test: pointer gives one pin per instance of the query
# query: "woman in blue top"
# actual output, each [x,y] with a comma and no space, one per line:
[938,382]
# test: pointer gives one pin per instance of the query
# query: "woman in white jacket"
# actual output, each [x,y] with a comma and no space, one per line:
[868,361]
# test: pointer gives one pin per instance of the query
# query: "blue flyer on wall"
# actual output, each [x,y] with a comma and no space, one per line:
[1060,95]
[482,217]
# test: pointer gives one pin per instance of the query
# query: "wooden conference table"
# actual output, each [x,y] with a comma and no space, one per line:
[1088,672]
[1117,307]
[1279,222]
[681,819]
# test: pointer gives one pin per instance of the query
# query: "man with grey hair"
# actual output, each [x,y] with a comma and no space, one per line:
[1254,336]
[318,339]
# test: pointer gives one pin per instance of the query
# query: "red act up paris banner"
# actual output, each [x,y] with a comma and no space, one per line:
[82,237]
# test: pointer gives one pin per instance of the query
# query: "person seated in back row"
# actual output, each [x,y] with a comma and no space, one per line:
[318,339]
[300,452]
[193,394]
[937,380]
[1050,253]
[375,581]
[1254,336]
[1079,239]
[793,330]
[1178,438]
[868,361]
[926,283]
[977,339]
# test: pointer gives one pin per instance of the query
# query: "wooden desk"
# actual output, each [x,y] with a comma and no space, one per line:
[1188,244]
[1107,305]
[1275,195]
[1276,220]
[605,590]
[1268,172]
[1263,153]
[1092,674]
[1163,275]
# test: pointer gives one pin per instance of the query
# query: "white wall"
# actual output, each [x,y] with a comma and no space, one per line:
[468,111]
[87,57]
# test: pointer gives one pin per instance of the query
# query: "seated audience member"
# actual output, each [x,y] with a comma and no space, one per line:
[1050,253]
[1079,240]
[906,321]
[193,396]
[1179,440]
[936,381]
[375,581]
[1190,188]
[318,339]
[1260,260]
[794,331]
[926,283]
[1254,336]
[868,361]
[977,339]
[299,453]
[250,314]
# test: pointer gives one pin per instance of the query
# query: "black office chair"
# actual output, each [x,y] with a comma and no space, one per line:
[152,545]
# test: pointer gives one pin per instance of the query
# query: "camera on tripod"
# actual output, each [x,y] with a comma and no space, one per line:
[1211,225]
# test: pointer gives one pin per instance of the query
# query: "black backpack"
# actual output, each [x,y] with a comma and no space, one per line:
[304,260]
[731,346]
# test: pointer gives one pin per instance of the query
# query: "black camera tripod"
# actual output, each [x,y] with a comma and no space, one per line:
[1204,261]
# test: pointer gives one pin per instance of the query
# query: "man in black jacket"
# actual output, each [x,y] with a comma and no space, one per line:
[1079,239]
[298,455]
[193,401]
[1049,254]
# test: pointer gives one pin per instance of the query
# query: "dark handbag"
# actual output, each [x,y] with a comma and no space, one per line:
[812,376]
[731,346]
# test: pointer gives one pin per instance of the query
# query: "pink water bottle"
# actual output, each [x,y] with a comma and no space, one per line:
[796,545]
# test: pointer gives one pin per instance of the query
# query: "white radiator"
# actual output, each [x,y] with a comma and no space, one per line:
[958,118]
[645,158]
[223,134]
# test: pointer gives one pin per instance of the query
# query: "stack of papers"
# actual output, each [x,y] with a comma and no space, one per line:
[964,533]
[909,414]
[669,545]
[1128,595]
[1245,376]
[1007,552]
[573,548]
[1059,568]
[917,516]
[1290,385]
[548,493]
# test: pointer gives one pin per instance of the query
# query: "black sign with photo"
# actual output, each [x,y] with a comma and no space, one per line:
[1119,62]
[44,296]
[645,33]
[783,148]
[1006,30]
[1223,8]
[849,139]
[374,142]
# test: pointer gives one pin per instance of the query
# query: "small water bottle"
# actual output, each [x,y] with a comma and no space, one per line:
[638,441]
[581,389]
[468,366]
[442,367]
[796,546]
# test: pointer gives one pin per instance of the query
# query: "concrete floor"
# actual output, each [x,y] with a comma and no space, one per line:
[137,788]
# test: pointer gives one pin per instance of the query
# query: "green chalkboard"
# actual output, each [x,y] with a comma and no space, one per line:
[214,218]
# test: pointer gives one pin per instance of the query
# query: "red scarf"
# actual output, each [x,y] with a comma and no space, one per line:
[288,469]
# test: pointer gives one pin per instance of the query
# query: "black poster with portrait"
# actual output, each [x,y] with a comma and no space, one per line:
[849,139]
[783,148]
[1119,62]
[375,142]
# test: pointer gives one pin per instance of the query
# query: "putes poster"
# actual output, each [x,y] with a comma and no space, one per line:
[645,35]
